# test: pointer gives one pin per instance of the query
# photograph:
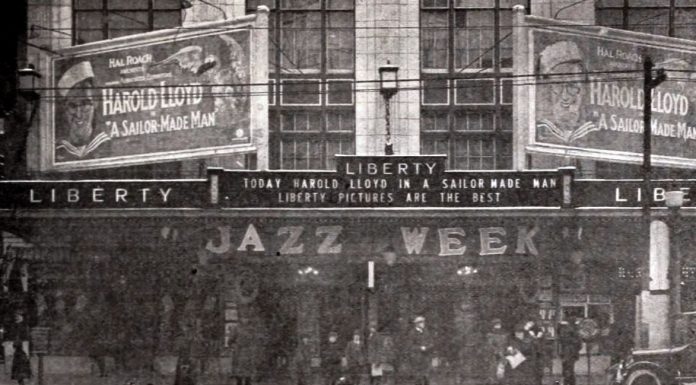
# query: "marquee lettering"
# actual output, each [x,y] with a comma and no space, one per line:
[488,241]
[414,239]
[291,246]
[328,245]
[446,241]
[251,238]
[450,245]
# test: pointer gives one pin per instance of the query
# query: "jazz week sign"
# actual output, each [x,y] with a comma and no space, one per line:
[587,96]
[157,96]
[391,181]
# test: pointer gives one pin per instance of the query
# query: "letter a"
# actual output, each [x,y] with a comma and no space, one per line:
[251,238]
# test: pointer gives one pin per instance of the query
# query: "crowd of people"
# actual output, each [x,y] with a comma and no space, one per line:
[516,358]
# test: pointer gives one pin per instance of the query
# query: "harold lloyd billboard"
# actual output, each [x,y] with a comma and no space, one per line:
[171,96]
[587,98]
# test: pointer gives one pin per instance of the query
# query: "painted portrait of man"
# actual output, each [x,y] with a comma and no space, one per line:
[220,64]
[76,136]
[561,92]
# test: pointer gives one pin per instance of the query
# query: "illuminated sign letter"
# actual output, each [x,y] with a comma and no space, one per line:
[251,238]
[414,239]
[290,245]
[327,246]
[450,245]
[525,241]
[488,241]
[224,245]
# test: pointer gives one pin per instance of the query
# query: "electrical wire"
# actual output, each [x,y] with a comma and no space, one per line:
[207,94]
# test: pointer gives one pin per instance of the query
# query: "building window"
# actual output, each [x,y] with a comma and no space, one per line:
[466,65]
[95,20]
[312,65]
[658,17]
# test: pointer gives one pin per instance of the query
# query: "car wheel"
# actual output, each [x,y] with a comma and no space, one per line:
[643,377]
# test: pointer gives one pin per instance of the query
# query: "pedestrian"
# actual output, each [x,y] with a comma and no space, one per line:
[355,358]
[375,356]
[497,340]
[571,344]
[301,369]
[21,369]
[331,359]
[520,354]
[16,331]
[420,351]
[535,335]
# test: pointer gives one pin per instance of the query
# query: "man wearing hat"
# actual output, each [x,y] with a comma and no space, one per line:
[331,359]
[560,94]
[355,358]
[75,136]
[420,351]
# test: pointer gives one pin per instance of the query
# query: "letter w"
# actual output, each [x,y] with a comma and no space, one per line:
[414,239]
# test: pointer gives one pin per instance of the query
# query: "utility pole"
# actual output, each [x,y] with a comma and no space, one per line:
[649,83]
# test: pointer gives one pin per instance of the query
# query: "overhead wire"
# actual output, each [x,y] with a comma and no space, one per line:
[208,94]
[325,81]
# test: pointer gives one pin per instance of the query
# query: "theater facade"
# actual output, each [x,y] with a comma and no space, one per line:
[248,263]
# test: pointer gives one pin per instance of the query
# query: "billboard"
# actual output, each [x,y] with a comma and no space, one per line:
[586,98]
[164,95]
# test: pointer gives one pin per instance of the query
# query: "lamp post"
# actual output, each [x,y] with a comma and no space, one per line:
[16,125]
[674,200]
[388,87]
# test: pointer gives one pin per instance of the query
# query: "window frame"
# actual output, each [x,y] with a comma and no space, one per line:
[624,8]
[105,12]
[498,138]
[279,139]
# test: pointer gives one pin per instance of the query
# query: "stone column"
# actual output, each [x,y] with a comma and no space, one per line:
[653,303]
[387,30]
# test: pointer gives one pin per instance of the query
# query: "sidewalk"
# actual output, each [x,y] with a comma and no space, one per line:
[146,378]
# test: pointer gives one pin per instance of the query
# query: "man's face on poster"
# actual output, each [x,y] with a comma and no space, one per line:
[79,114]
[567,93]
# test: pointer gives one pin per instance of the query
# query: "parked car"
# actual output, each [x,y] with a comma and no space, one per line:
[670,366]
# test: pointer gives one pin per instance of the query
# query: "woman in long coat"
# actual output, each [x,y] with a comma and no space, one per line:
[523,373]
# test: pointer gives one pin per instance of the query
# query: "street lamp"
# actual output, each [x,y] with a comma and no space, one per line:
[28,82]
[388,87]
[674,200]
